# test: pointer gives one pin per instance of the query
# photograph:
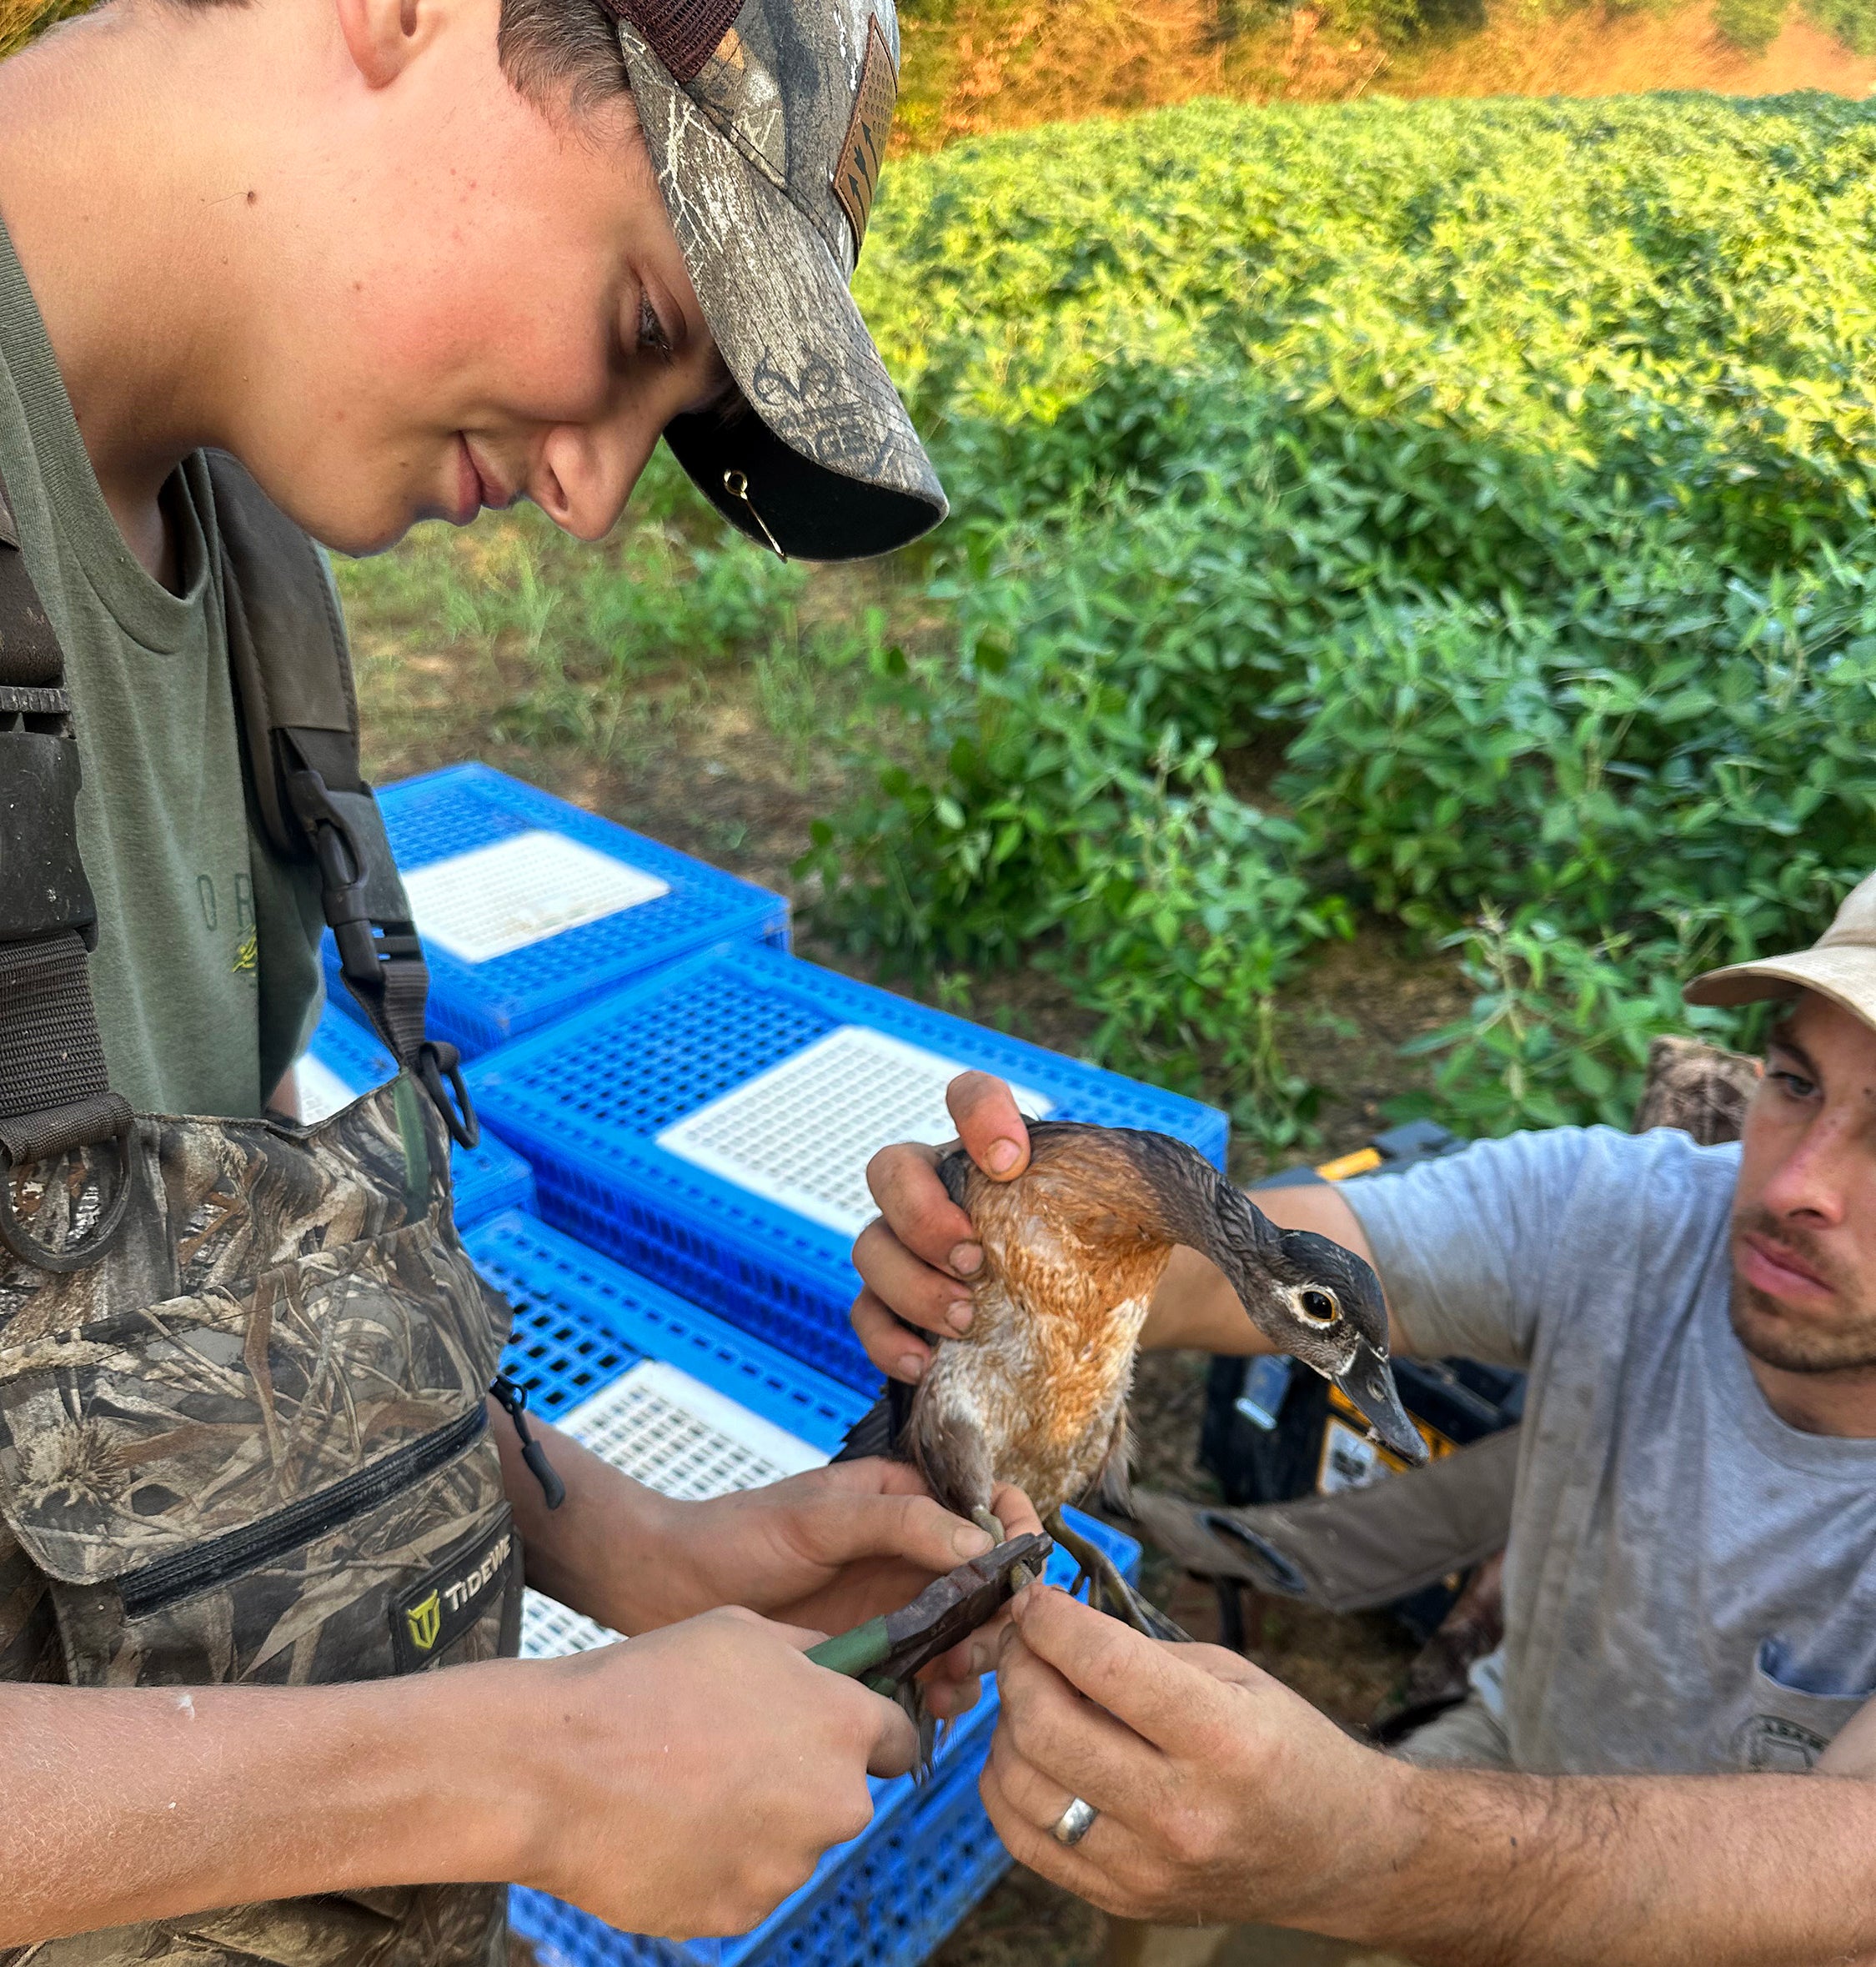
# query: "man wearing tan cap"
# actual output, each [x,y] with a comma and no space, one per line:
[1655,1771]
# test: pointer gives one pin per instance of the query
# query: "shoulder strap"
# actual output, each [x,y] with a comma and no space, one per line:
[54,1092]
[299,721]
[288,650]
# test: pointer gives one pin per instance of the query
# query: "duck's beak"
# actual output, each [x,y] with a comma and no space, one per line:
[1369,1381]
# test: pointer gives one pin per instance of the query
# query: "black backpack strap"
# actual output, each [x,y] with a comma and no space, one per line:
[55,1094]
[299,722]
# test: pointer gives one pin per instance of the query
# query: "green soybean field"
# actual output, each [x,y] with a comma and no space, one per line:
[1447,521]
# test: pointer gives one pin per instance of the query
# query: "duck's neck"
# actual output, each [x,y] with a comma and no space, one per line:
[1224,1225]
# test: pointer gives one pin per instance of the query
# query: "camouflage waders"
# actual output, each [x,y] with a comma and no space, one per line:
[242,1363]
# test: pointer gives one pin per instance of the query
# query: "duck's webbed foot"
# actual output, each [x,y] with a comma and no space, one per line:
[1108,1591]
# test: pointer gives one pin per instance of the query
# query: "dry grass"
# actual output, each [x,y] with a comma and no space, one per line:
[985,65]
[1592,52]
[20,20]
[1006,64]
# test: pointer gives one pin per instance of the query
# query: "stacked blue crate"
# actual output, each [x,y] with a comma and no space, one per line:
[529,906]
[581,1320]
[891,1896]
[345,1060]
[710,1127]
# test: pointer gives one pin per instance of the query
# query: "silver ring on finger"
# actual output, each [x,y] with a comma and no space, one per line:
[1075,1823]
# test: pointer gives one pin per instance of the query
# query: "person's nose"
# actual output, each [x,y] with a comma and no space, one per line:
[1813,1182]
[584,474]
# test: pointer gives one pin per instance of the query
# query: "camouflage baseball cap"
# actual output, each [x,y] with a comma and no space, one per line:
[767,121]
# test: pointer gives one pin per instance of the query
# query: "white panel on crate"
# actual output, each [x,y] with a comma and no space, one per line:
[675,1435]
[678,1436]
[549,1630]
[322,1092]
[492,900]
[801,1134]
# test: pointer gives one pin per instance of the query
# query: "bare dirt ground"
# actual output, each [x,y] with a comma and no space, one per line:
[703,768]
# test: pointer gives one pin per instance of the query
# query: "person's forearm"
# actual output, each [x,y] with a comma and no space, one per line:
[1483,1870]
[607,1551]
[1195,1308]
[132,1803]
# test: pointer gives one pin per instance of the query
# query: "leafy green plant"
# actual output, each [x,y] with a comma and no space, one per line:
[1716,766]
[1559,1031]
[1853,22]
[1451,515]
[1753,25]
[1186,927]
[1421,510]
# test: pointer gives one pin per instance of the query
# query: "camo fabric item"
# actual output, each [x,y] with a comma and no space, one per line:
[1703,1089]
[241,1447]
[750,154]
[767,123]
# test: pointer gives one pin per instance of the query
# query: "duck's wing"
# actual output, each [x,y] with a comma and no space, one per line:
[882,1429]
[1113,1481]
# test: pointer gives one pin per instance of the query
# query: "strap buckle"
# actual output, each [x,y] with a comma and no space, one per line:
[439,1070]
[380,956]
[373,947]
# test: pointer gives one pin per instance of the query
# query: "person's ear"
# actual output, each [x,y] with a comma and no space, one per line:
[383,35]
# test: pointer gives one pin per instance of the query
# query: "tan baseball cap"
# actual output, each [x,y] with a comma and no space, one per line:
[1840,964]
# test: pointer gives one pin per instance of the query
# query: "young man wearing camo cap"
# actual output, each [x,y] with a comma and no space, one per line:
[403,259]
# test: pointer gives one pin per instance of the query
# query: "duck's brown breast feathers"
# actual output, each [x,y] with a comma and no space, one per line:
[1071,1260]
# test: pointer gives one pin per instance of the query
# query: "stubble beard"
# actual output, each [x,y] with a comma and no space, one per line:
[1846,1343]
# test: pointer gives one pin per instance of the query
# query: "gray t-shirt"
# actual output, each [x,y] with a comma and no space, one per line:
[206,973]
[1691,1583]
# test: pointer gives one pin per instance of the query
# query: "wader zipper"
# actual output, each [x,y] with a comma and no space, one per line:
[209,1564]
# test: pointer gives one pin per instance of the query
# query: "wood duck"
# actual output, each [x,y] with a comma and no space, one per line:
[1036,1393]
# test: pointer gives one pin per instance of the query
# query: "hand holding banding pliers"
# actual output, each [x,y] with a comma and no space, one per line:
[887,1653]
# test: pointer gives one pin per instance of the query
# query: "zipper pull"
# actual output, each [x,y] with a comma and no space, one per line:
[515,1399]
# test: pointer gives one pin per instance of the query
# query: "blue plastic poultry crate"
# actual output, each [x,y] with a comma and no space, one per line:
[347,1060]
[568,905]
[580,1320]
[710,1127]
[891,1896]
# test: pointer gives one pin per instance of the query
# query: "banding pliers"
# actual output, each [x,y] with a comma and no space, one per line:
[887,1652]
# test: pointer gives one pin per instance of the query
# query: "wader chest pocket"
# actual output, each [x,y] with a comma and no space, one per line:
[272,1486]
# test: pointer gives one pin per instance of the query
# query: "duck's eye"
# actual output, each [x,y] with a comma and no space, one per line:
[1319,1306]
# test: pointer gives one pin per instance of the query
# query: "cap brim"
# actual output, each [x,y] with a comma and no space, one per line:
[1847,976]
[831,466]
